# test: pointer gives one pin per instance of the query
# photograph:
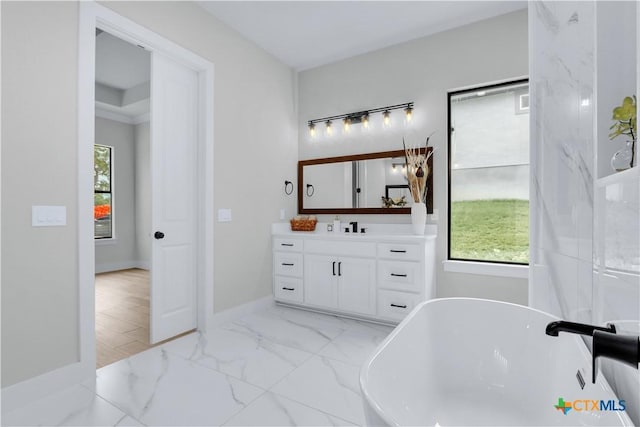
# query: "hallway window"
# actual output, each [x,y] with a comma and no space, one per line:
[103,196]
[489,173]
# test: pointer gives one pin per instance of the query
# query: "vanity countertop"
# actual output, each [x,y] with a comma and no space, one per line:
[373,232]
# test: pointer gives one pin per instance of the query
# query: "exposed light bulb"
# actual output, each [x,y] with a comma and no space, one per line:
[329,128]
[365,121]
[386,119]
[347,124]
[312,129]
[408,113]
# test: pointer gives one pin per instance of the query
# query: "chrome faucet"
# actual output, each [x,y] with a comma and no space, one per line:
[557,326]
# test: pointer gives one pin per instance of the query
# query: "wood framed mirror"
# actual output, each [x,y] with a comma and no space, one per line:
[356,184]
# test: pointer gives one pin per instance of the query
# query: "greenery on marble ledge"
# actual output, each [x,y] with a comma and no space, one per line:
[625,117]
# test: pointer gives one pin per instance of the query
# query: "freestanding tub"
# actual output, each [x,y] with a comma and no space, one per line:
[463,361]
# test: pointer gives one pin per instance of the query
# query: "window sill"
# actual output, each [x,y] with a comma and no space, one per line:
[487,269]
[105,242]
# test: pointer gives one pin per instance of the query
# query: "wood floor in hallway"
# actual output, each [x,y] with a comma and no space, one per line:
[122,315]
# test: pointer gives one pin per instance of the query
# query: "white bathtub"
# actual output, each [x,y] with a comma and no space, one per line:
[463,361]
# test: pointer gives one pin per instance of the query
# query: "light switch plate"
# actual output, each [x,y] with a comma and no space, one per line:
[224,215]
[48,216]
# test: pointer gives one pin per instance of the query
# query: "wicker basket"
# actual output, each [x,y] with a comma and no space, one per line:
[303,224]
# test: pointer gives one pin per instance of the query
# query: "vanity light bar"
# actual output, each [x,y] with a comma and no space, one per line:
[361,116]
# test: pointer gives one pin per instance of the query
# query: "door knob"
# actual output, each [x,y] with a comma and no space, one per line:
[158,235]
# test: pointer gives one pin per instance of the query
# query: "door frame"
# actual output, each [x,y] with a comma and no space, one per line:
[94,16]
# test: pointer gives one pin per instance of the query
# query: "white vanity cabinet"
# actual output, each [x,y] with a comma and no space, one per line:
[402,274]
[288,269]
[378,276]
[340,283]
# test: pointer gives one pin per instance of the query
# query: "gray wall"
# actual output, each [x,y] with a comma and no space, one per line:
[422,71]
[119,253]
[39,145]
[131,247]
[255,152]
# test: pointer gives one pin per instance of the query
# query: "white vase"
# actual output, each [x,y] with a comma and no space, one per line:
[418,218]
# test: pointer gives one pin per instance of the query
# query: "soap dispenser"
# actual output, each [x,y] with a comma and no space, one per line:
[336,224]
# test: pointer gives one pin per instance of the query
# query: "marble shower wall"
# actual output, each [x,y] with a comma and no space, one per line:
[617,273]
[562,73]
[585,232]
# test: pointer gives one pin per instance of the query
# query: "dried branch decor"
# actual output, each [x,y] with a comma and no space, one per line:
[417,170]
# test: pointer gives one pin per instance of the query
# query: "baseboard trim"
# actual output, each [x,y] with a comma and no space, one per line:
[233,313]
[125,265]
[22,393]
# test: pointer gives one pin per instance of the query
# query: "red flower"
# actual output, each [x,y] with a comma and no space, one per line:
[101,211]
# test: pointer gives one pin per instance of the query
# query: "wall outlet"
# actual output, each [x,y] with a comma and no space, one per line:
[283,213]
[435,215]
[224,215]
[48,216]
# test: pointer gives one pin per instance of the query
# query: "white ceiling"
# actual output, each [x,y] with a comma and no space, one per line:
[123,70]
[120,64]
[307,34]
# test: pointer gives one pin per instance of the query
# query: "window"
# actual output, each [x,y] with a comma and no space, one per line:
[103,196]
[489,174]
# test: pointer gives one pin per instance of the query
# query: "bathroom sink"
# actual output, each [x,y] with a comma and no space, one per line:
[464,361]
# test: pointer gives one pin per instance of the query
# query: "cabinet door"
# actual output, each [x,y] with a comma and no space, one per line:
[357,285]
[320,281]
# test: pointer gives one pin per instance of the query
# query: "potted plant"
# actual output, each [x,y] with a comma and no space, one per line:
[625,124]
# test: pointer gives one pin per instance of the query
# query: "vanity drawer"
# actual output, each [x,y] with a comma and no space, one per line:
[342,247]
[399,251]
[284,244]
[287,264]
[287,289]
[399,275]
[395,305]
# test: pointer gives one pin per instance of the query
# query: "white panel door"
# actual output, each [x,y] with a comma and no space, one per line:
[174,133]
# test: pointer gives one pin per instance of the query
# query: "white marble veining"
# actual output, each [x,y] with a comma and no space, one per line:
[585,234]
[298,332]
[335,388]
[355,345]
[562,79]
[159,388]
[277,366]
[249,358]
[273,410]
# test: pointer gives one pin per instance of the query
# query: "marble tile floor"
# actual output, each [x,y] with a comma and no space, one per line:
[276,367]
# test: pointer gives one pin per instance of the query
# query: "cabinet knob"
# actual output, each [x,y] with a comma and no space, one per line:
[158,235]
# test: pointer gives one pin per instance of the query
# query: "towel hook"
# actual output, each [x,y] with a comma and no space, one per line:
[310,190]
[288,188]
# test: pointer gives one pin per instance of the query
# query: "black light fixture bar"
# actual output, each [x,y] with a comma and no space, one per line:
[356,117]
